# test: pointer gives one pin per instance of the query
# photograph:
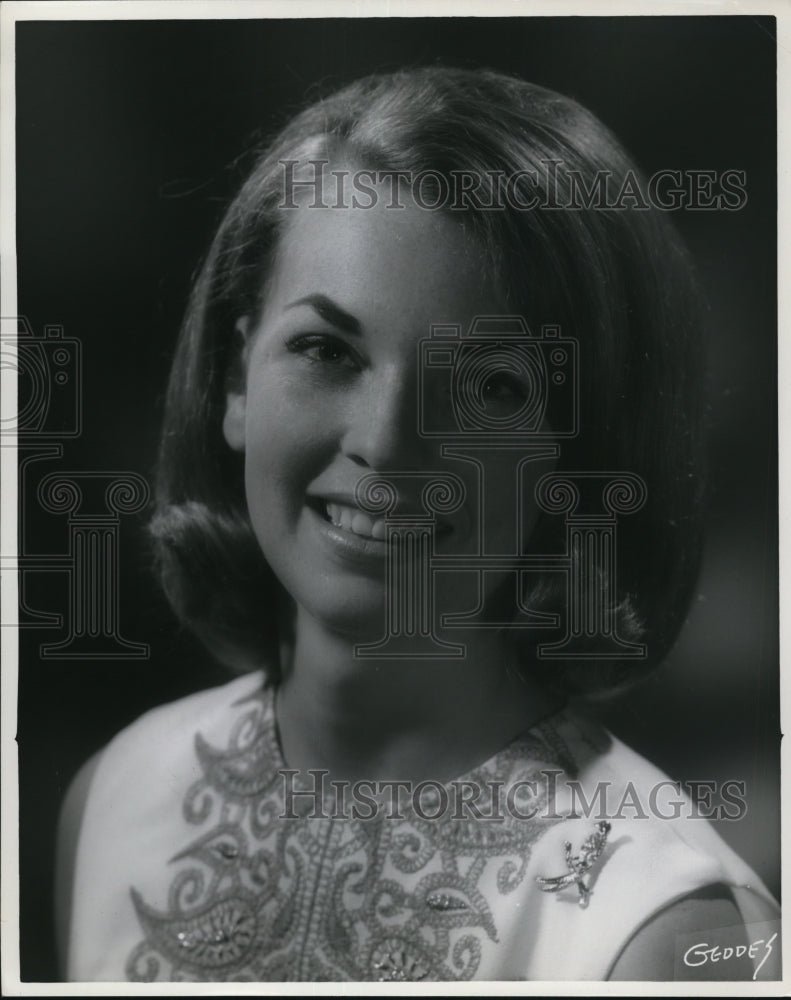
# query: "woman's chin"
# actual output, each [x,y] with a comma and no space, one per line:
[357,619]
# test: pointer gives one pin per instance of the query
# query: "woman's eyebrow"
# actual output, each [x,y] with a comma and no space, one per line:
[330,311]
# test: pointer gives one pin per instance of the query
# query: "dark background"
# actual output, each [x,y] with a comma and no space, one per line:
[128,138]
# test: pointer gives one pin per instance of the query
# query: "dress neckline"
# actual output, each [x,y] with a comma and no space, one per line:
[541,739]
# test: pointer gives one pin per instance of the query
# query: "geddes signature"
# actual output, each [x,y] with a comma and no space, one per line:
[700,954]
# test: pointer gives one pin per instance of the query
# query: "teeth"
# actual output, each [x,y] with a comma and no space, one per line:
[354,520]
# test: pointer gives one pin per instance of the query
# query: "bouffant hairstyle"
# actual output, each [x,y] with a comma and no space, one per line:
[614,277]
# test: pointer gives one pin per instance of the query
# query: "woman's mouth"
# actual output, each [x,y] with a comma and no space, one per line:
[348,518]
[353,519]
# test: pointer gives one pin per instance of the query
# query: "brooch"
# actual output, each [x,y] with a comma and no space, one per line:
[579,864]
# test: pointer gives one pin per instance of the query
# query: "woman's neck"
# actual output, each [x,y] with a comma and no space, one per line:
[404,719]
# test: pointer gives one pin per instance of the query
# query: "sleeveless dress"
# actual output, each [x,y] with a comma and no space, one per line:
[202,858]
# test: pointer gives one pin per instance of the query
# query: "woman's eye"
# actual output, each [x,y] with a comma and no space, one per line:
[503,388]
[321,348]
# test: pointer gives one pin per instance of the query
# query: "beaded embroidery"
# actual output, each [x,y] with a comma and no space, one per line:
[259,897]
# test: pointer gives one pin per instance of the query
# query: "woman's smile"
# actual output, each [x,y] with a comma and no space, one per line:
[358,536]
[345,543]
[350,518]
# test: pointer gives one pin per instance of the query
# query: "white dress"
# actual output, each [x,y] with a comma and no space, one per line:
[195,862]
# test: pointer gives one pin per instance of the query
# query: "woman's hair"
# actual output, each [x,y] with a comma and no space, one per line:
[614,278]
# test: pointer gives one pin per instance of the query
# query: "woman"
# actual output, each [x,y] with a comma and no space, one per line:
[423,207]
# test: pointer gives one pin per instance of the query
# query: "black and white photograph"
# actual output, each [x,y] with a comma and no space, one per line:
[390,497]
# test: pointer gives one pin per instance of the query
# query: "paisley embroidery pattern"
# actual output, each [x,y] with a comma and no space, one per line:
[259,897]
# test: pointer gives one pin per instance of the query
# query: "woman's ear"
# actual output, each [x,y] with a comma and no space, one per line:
[233,425]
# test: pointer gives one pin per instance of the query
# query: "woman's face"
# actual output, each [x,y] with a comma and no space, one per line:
[331,393]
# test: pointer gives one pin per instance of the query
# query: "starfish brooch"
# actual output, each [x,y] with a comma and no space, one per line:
[579,864]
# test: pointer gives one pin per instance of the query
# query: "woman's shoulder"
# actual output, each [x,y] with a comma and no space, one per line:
[608,780]
[69,826]
[137,780]
[209,712]
[160,732]
[154,757]
[663,871]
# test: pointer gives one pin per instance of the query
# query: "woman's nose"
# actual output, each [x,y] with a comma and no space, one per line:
[381,430]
